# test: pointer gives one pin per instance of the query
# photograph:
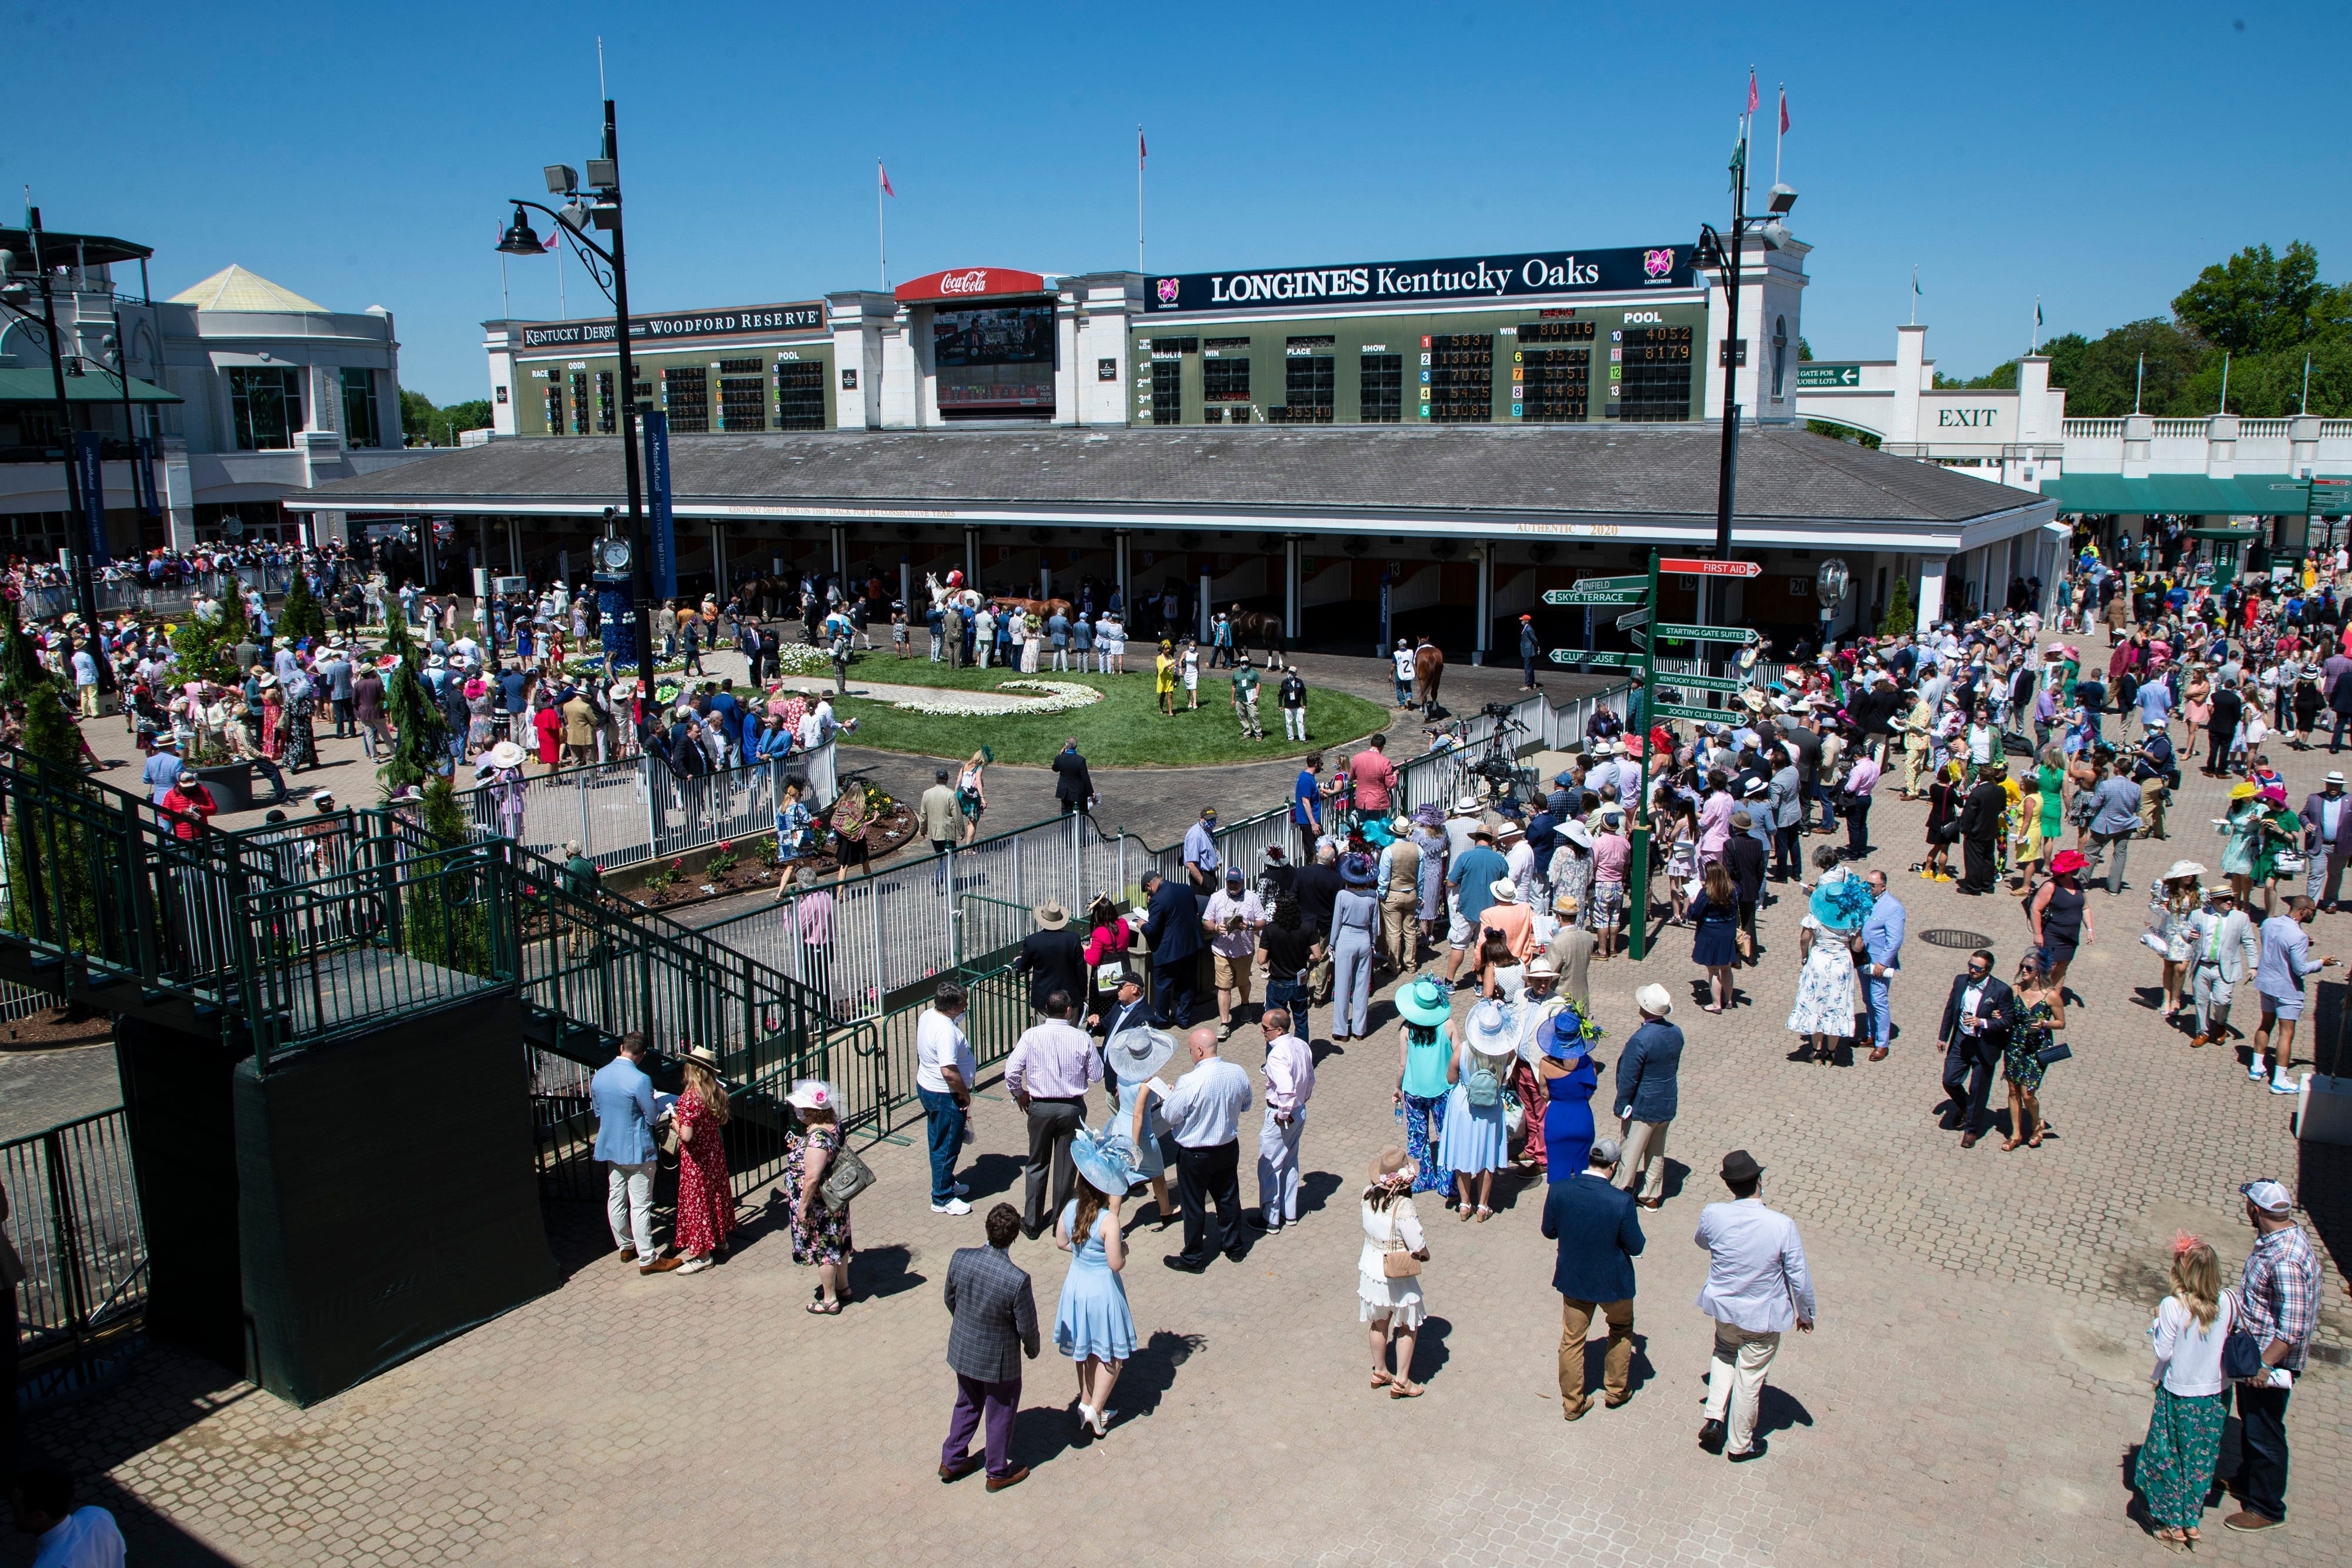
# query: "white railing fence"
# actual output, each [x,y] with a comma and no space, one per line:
[625,813]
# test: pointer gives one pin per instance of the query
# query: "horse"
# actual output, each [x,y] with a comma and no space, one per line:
[1428,669]
[1258,629]
[1043,609]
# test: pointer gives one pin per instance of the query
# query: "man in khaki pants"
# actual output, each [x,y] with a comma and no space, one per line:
[1756,1286]
[1599,1234]
[1399,880]
[1648,1087]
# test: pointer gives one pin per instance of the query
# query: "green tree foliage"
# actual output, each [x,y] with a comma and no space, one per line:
[2099,376]
[2256,302]
[426,426]
[206,645]
[49,892]
[1843,432]
[408,705]
[299,615]
[1901,618]
[416,413]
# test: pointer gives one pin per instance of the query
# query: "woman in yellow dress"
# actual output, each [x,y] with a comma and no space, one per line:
[1164,679]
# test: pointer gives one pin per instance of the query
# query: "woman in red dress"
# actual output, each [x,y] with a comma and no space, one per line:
[549,724]
[706,1203]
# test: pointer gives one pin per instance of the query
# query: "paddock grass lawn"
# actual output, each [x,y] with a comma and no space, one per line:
[1123,730]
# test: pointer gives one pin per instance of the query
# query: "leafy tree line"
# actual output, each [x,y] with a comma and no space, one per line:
[426,426]
[2261,310]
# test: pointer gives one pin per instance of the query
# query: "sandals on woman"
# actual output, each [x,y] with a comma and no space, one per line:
[1401,1389]
[1484,1214]
[824,1308]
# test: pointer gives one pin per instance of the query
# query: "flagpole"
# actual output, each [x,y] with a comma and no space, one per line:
[2140,378]
[1915,294]
[881,236]
[1138,198]
[1780,132]
[506,303]
[562,309]
[2037,324]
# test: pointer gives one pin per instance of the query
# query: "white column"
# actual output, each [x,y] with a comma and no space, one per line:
[970,558]
[906,583]
[1485,598]
[1910,368]
[1931,590]
[1203,614]
[841,555]
[1121,551]
[1290,586]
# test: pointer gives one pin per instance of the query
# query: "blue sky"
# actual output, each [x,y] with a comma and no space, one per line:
[2095,155]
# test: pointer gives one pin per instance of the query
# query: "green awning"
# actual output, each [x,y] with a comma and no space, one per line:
[2178,494]
[91,386]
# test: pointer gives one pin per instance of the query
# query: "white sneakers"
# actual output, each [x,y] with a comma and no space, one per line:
[953,1206]
[695,1265]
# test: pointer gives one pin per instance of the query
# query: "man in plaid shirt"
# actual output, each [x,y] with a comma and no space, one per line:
[2277,1305]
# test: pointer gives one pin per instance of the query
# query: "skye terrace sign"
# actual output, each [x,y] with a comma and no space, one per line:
[698,324]
[1467,277]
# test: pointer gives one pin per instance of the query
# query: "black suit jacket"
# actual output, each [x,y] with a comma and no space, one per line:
[1071,780]
[1997,1008]
[1980,815]
[1745,856]
[1054,961]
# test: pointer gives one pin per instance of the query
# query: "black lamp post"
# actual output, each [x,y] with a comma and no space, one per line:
[12,294]
[1715,251]
[597,202]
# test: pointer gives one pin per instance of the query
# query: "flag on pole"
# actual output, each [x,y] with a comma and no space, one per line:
[1138,147]
[1752,99]
[551,241]
[1915,290]
[886,178]
[1784,111]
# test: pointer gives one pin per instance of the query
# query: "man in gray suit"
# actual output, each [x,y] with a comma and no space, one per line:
[995,1314]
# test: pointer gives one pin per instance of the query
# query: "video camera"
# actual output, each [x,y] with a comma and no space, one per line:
[1496,710]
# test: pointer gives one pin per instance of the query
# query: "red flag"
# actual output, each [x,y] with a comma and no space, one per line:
[551,243]
[1752,99]
[1138,144]
[886,178]
[1784,111]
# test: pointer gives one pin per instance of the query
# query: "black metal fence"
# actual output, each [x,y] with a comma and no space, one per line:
[74,1217]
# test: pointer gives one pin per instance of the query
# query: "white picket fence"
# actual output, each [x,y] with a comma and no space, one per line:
[625,813]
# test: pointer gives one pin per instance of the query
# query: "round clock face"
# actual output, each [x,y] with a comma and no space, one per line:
[614,554]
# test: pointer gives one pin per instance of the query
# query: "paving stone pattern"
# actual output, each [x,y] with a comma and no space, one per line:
[1973,1392]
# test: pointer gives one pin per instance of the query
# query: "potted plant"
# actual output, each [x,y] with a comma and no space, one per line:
[228,777]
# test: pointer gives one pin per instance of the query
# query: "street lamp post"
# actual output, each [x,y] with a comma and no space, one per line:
[597,202]
[1715,251]
[12,293]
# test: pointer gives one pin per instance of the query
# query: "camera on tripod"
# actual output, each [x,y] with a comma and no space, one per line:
[1496,710]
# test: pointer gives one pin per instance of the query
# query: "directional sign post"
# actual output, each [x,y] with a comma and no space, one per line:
[1699,565]
[1599,661]
[1596,597]
[1637,902]
[1683,710]
[1677,634]
[1702,683]
[1638,618]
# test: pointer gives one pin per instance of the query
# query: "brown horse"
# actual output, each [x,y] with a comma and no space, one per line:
[1258,629]
[1043,609]
[1428,669]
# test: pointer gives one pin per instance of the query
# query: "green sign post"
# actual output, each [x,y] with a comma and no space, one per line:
[1637,895]
[1813,376]
[1599,661]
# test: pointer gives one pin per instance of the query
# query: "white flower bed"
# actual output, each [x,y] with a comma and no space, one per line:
[1057,697]
[802,659]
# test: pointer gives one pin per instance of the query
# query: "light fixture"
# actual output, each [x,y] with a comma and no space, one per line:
[562,178]
[520,239]
[1779,200]
[1831,581]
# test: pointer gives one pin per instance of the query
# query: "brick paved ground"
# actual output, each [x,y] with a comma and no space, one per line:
[1976,1382]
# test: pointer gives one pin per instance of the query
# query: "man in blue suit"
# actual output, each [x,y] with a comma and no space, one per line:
[625,1122]
[1172,929]
[1600,1234]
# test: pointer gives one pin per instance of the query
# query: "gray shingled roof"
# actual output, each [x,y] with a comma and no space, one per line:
[1591,470]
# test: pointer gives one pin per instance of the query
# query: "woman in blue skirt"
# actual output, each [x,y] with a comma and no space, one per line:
[1475,1143]
[1569,1076]
[1093,1325]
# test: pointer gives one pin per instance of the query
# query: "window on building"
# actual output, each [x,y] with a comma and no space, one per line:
[1308,383]
[743,402]
[1460,378]
[1556,384]
[686,397]
[1379,386]
[1167,390]
[800,396]
[359,425]
[1657,382]
[608,408]
[265,405]
[1779,357]
[580,402]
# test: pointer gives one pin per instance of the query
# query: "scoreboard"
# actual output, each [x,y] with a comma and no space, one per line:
[1514,365]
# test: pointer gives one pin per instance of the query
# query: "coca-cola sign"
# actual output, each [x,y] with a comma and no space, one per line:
[973,282]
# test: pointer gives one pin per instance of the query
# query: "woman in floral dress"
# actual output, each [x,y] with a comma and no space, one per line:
[706,1203]
[1827,986]
[481,730]
[820,1234]
[2035,1016]
[273,720]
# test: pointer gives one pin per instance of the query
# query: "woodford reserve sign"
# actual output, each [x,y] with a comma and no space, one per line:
[807,315]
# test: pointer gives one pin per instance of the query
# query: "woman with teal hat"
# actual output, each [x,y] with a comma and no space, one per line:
[1829,990]
[1093,1325]
[1569,1076]
[1425,1049]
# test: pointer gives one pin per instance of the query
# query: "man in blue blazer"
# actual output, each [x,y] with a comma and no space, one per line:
[1598,1231]
[1171,929]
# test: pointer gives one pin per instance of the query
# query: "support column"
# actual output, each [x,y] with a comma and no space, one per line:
[1044,577]
[1202,637]
[1290,586]
[906,584]
[1121,542]
[1485,598]
[1931,589]
[514,547]
[718,561]
[972,558]
[841,556]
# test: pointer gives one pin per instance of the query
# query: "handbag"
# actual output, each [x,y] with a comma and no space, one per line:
[1396,1263]
[846,1177]
[2057,1051]
[2242,1357]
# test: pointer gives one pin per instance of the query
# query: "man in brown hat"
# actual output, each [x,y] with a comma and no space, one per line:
[1053,957]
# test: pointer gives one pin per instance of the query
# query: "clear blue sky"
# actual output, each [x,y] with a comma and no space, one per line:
[2097,155]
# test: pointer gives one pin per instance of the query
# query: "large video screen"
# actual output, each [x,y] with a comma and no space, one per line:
[995,360]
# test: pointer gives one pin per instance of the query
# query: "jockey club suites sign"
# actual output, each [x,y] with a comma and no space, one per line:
[1467,278]
[809,317]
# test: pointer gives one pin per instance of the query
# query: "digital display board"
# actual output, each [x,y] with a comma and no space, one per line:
[1650,372]
[995,359]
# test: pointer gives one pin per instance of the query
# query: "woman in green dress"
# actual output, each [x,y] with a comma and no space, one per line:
[2174,1469]
[2045,816]
[2276,830]
[2021,1058]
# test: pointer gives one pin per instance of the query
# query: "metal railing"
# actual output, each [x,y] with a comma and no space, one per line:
[627,813]
[74,1217]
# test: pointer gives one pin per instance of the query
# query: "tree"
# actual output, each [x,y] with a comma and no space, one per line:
[299,615]
[472,414]
[417,416]
[417,747]
[206,645]
[1900,619]
[2099,377]
[2257,301]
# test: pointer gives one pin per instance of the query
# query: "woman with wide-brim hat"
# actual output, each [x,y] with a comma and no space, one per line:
[1425,1049]
[1134,1058]
[1828,986]
[1569,1075]
[1475,1143]
[2172,907]
[820,1233]
[1388,1305]
[1094,1326]
[706,1202]
[1355,932]
[2059,913]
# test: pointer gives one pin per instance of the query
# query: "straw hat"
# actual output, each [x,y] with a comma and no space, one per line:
[505,754]
[811,1095]
[1136,1054]
[1505,889]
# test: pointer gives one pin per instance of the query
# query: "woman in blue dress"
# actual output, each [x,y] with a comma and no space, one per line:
[1425,1058]
[1475,1143]
[1134,1057]
[1093,1325]
[1569,1076]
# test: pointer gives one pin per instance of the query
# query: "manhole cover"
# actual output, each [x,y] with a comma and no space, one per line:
[1946,936]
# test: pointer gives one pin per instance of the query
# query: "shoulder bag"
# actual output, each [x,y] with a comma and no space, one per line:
[845,1178]
[1396,1263]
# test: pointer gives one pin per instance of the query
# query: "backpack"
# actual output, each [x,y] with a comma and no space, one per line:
[1481,1086]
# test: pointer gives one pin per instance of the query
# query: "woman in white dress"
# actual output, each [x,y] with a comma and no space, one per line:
[1828,990]
[1388,1299]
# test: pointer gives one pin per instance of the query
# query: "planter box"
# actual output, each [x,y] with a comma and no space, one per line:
[231,784]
